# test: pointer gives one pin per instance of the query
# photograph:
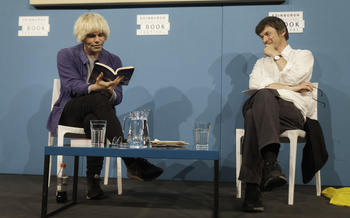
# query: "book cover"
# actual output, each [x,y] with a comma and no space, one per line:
[250,91]
[109,74]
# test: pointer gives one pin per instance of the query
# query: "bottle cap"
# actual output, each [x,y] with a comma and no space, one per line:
[63,165]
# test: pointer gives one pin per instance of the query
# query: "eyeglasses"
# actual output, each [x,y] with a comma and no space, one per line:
[321,94]
[119,142]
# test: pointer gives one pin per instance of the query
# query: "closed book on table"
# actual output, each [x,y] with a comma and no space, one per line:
[80,142]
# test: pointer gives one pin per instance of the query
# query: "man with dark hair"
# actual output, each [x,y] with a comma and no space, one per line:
[282,102]
[277,24]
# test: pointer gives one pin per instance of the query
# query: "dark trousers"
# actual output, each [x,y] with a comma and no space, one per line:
[95,106]
[266,116]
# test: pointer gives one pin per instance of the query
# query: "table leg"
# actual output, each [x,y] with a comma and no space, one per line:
[75,179]
[216,188]
[45,187]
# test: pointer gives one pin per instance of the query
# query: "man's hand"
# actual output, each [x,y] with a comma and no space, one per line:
[104,86]
[270,50]
[303,87]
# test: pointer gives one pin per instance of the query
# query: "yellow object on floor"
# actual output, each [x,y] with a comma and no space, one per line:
[340,197]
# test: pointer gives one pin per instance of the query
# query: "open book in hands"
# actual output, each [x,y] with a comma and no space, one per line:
[109,74]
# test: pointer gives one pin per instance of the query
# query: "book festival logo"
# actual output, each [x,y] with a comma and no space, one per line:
[153,24]
[34,26]
[293,19]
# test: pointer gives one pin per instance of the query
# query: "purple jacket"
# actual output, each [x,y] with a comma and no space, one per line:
[73,71]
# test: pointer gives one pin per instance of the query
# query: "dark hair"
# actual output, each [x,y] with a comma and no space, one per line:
[278,24]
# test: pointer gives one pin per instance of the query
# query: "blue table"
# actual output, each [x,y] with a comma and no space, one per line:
[124,152]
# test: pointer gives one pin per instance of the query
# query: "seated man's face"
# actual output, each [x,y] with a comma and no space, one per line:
[93,43]
[270,36]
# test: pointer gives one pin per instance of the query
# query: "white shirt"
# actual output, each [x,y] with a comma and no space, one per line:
[298,69]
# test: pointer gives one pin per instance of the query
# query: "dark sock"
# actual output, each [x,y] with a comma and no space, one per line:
[129,161]
[270,152]
[253,185]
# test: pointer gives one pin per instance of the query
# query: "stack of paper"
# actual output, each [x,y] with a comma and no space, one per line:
[159,143]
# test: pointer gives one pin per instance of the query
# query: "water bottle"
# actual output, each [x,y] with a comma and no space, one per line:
[62,184]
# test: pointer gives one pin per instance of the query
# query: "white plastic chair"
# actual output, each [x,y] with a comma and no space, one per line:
[75,132]
[290,136]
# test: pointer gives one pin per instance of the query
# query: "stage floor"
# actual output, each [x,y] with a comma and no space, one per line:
[21,197]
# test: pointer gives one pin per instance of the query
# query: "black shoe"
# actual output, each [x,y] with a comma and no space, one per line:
[142,170]
[94,190]
[272,177]
[253,199]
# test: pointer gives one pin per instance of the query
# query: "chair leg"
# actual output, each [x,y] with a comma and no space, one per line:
[60,142]
[293,138]
[50,165]
[50,143]
[239,135]
[105,181]
[119,175]
[108,159]
[318,183]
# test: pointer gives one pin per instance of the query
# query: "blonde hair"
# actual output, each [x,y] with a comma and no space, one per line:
[90,23]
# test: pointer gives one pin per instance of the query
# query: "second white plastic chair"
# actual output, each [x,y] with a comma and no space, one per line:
[293,137]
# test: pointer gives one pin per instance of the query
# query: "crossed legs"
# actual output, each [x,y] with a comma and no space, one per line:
[266,115]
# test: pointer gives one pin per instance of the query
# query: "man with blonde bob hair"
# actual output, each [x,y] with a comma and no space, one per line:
[88,23]
[82,100]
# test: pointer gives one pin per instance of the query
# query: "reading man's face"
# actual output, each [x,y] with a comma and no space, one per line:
[93,43]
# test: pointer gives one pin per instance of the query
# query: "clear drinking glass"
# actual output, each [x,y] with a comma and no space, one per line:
[98,133]
[202,130]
